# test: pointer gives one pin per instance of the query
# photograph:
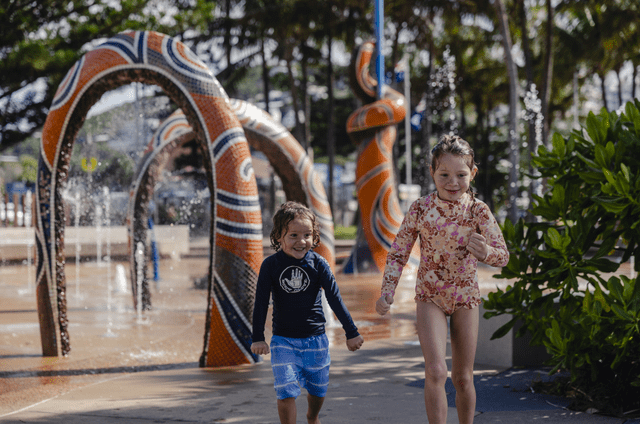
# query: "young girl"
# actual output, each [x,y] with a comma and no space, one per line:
[299,346]
[456,231]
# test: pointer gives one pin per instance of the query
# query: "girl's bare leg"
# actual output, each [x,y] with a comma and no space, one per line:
[287,410]
[315,404]
[432,333]
[464,340]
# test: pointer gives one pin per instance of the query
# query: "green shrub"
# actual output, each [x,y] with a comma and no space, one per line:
[345,233]
[562,266]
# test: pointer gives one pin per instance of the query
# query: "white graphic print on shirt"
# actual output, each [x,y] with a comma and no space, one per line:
[294,279]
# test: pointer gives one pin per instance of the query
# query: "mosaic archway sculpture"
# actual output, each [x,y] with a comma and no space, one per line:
[293,166]
[289,160]
[236,230]
[373,129]
[174,132]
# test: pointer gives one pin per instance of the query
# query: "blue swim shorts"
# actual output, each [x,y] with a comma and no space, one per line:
[300,362]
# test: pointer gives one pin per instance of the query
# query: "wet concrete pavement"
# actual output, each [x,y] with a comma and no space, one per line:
[125,369]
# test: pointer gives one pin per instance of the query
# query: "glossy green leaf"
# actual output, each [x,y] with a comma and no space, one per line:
[557,196]
[601,157]
[555,240]
[592,177]
[610,151]
[590,162]
[504,330]
[592,128]
[626,173]
[615,288]
[621,313]
[555,336]
[632,113]
[558,145]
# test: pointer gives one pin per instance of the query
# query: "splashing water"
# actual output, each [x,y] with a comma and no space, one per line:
[107,225]
[445,76]
[76,223]
[121,280]
[140,276]
[98,224]
[450,77]
[533,112]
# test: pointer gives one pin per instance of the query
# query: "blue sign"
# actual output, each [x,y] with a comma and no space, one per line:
[19,187]
[416,119]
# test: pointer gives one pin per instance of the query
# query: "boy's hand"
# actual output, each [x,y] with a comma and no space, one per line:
[259,348]
[384,304]
[478,246]
[355,343]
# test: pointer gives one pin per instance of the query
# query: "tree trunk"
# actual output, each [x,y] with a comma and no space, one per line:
[331,142]
[514,154]
[265,77]
[427,131]
[297,129]
[548,75]
[617,71]
[306,105]
[603,89]
[531,125]
[633,81]
[487,189]
[227,33]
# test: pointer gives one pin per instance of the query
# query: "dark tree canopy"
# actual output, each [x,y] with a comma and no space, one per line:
[41,40]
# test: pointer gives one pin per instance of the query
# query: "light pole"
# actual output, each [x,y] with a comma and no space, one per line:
[379,25]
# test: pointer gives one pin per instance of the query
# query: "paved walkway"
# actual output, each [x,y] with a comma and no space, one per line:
[124,371]
[380,383]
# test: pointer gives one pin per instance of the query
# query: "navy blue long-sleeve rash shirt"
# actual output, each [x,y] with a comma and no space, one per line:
[297,298]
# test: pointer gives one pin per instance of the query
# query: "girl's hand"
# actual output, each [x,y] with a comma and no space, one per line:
[384,304]
[259,348]
[355,343]
[478,246]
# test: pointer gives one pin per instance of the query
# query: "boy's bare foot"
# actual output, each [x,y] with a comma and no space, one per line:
[313,421]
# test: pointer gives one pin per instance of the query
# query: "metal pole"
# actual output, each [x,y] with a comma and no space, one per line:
[407,120]
[576,125]
[379,25]
[154,252]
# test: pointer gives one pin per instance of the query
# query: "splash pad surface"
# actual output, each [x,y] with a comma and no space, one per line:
[111,341]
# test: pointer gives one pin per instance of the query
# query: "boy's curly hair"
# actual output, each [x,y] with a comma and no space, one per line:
[288,212]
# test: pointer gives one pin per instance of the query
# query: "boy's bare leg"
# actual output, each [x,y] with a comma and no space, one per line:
[287,410]
[464,340]
[315,404]
[432,333]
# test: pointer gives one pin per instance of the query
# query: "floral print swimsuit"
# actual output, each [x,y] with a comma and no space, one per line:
[447,274]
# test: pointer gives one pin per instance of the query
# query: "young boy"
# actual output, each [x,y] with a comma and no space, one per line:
[299,346]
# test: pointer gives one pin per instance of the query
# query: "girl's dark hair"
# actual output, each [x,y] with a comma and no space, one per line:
[453,145]
[288,212]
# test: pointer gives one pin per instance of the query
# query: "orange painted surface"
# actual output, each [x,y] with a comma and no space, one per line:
[202,92]
[372,126]
[223,349]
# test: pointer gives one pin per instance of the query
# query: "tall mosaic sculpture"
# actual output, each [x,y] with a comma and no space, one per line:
[373,129]
[236,230]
